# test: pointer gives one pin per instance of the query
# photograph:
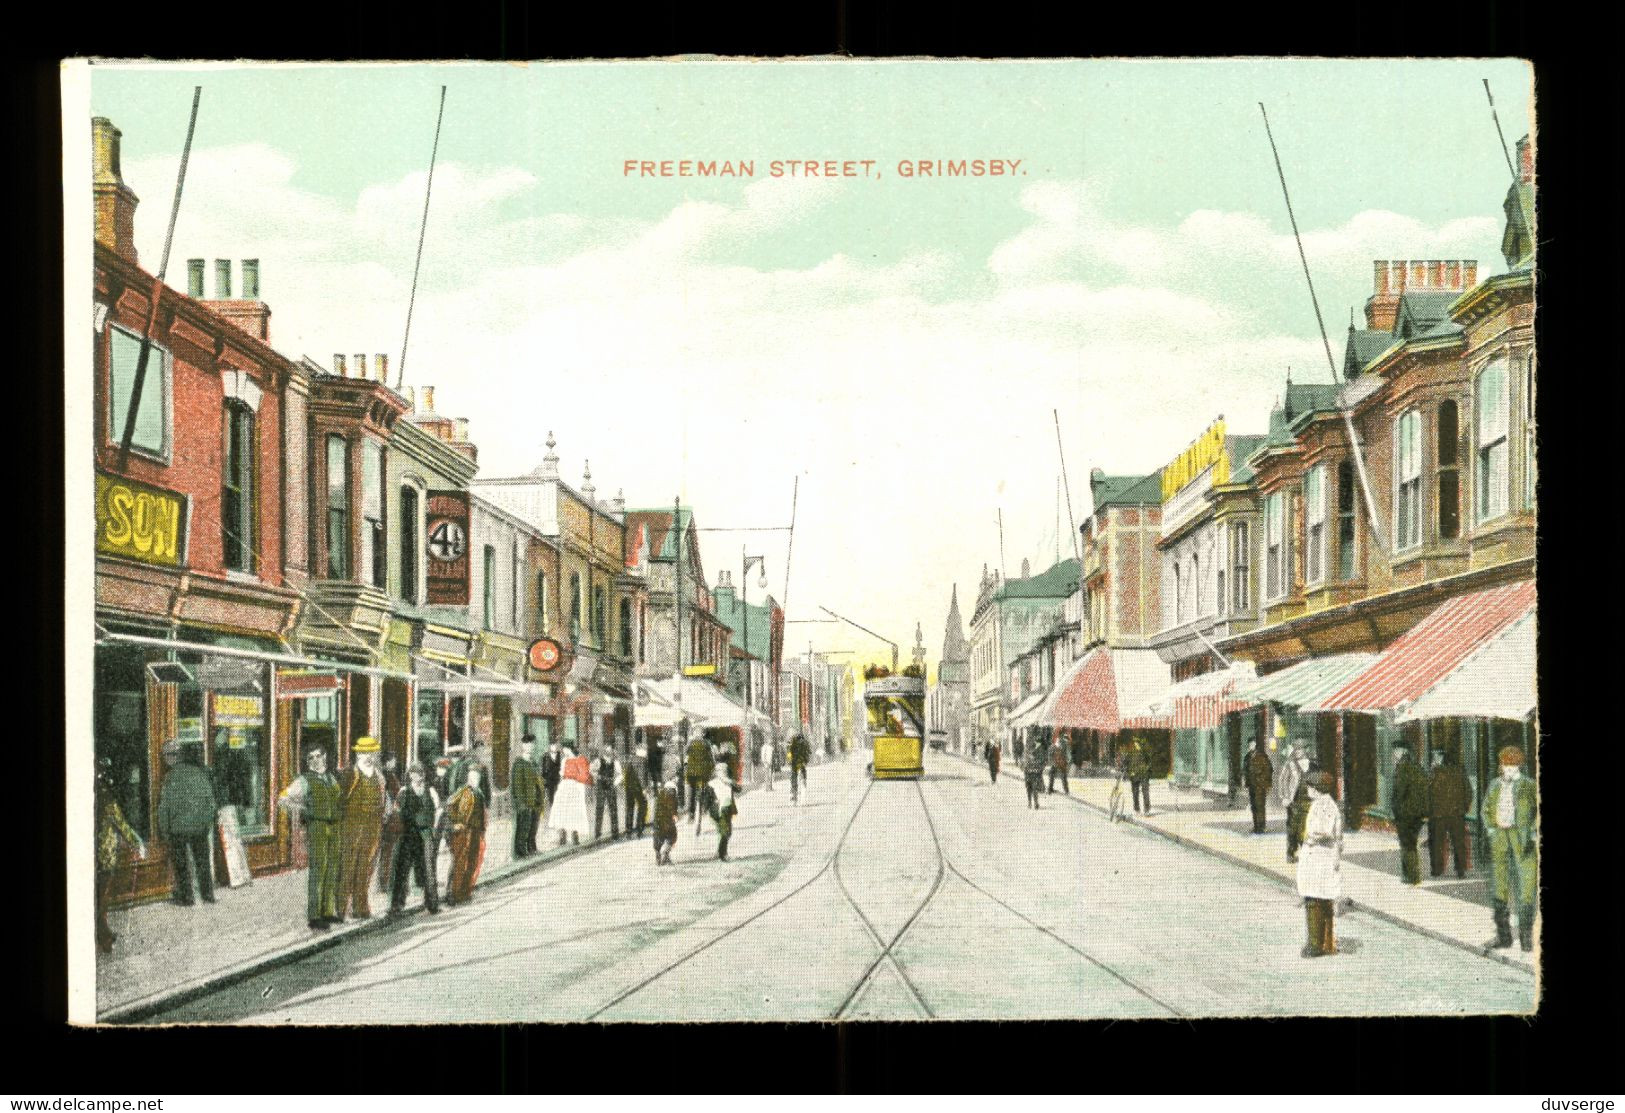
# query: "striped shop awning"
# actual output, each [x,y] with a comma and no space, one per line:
[1199,703]
[1496,682]
[1307,682]
[1432,649]
[1086,698]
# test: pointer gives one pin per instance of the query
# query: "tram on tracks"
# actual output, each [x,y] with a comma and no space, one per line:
[895,710]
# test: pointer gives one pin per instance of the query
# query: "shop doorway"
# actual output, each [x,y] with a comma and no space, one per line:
[394,724]
[1360,771]
[501,747]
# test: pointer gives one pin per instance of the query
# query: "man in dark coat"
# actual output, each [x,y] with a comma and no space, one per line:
[417,808]
[1137,768]
[1259,775]
[665,824]
[654,763]
[1032,769]
[185,822]
[1058,758]
[1409,804]
[637,802]
[698,769]
[528,793]
[991,755]
[1450,798]
[800,752]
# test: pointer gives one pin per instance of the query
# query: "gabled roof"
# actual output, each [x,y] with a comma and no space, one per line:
[1425,313]
[1301,400]
[1125,490]
[1364,345]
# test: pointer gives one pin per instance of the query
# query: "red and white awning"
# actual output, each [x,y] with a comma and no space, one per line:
[1429,652]
[1200,703]
[1496,682]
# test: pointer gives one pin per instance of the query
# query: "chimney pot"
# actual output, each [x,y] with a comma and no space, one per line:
[339,369]
[1380,282]
[1469,273]
[194,278]
[222,279]
[361,365]
[381,367]
[428,399]
[251,279]
[460,429]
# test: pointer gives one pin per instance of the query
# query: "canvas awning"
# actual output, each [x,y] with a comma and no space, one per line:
[1198,703]
[1424,656]
[1308,681]
[699,701]
[1497,681]
[1092,693]
[1022,714]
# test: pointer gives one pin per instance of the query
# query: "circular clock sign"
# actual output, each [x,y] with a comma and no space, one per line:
[447,541]
[546,655]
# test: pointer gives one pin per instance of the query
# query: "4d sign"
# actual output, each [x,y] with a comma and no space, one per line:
[140,522]
[446,548]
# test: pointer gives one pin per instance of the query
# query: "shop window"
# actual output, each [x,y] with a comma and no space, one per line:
[626,627]
[490,593]
[431,712]
[151,435]
[1408,480]
[1490,417]
[374,551]
[237,488]
[338,508]
[120,710]
[1345,520]
[1314,498]
[410,532]
[238,751]
[1448,499]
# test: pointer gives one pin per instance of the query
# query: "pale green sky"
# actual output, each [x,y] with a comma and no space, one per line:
[715,338]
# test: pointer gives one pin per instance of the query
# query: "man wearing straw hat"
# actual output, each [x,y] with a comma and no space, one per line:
[364,804]
[1508,815]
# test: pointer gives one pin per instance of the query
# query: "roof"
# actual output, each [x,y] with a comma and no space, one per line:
[1301,399]
[1432,649]
[1125,490]
[1425,313]
[1056,583]
[1364,345]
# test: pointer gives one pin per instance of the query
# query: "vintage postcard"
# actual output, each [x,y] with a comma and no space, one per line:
[801,540]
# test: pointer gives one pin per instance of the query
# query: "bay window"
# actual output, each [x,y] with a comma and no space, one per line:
[338,508]
[1314,497]
[1490,419]
[1275,566]
[1408,480]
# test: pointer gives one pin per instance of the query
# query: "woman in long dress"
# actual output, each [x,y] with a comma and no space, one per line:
[569,816]
[1320,865]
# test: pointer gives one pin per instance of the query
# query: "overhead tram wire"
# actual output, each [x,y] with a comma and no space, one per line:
[139,383]
[1355,449]
[795,491]
[1517,190]
[423,229]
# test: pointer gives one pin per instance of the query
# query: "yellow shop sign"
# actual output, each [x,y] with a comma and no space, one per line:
[1207,451]
[140,522]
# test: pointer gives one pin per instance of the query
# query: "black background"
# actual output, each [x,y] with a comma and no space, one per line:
[1566,1049]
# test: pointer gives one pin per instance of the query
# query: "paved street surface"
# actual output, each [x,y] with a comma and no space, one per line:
[894,900]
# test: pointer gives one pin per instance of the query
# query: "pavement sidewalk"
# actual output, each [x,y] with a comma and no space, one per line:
[167,954]
[1450,910]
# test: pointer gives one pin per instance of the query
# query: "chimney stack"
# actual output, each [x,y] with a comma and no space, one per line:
[194,278]
[428,399]
[460,430]
[339,369]
[361,365]
[1526,160]
[114,202]
[1393,277]
[380,364]
[247,312]
[222,279]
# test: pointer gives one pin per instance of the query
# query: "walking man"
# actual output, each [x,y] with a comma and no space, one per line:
[392,829]
[1033,772]
[665,824]
[314,798]
[637,801]
[800,751]
[1450,798]
[655,761]
[723,808]
[417,808]
[1259,774]
[1137,768]
[990,754]
[1409,804]
[185,822]
[700,766]
[364,805]
[552,770]
[526,785]
[1508,815]
[1294,795]
[608,778]
[1057,766]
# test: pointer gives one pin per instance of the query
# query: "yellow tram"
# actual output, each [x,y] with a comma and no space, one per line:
[895,707]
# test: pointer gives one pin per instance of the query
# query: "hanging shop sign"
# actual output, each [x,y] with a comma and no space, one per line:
[549,657]
[446,547]
[140,522]
[699,670]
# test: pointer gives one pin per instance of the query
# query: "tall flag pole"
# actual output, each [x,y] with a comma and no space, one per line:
[400,376]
